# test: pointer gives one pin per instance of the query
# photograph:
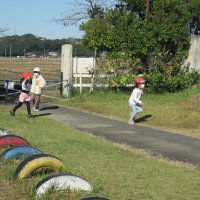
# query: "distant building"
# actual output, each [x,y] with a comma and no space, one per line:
[53,54]
[30,55]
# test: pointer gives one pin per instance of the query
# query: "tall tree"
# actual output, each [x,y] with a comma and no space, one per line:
[83,10]
[159,41]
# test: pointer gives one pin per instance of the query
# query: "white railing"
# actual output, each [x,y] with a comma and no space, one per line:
[80,85]
[91,85]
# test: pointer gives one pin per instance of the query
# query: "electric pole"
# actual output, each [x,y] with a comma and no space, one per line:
[10,51]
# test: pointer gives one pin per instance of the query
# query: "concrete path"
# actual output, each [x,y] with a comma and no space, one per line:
[171,146]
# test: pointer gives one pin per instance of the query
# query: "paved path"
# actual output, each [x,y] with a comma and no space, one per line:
[171,146]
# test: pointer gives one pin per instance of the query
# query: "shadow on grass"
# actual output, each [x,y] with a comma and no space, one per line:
[40,115]
[143,119]
[49,108]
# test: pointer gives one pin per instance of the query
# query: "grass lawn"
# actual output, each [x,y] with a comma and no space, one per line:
[114,172]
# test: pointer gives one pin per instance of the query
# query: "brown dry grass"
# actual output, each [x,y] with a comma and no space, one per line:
[12,69]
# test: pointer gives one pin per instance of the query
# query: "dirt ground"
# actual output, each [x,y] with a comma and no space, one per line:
[11,69]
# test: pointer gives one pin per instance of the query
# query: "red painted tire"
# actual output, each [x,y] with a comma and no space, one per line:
[12,140]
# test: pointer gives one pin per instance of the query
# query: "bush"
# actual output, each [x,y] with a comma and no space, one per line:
[157,83]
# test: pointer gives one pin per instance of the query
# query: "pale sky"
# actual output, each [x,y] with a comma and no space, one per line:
[35,16]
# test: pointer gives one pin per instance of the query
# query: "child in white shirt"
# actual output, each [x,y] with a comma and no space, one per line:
[134,101]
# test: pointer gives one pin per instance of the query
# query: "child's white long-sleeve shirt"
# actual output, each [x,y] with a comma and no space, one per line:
[135,96]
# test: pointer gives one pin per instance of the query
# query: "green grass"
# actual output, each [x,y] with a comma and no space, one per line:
[113,171]
[175,112]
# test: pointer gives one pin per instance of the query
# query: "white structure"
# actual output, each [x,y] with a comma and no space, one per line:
[77,68]
[193,60]
[83,65]
[66,69]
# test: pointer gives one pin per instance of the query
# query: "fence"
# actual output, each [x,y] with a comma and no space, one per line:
[80,77]
[10,89]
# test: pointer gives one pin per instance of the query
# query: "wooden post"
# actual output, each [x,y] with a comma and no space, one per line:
[6,94]
[81,83]
[61,84]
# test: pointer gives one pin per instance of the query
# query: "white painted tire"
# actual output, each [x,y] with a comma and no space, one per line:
[94,198]
[62,182]
[4,132]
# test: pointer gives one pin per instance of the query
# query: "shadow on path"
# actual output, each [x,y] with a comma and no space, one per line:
[143,119]
[49,108]
[40,115]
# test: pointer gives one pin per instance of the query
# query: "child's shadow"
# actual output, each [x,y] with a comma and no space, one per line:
[40,115]
[143,119]
[49,108]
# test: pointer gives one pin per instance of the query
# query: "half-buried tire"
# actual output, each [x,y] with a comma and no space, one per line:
[62,182]
[94,198]
[4,132]
[41,161]
[12,140]
[19,152]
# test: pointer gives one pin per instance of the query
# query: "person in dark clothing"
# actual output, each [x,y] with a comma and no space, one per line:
[24,96]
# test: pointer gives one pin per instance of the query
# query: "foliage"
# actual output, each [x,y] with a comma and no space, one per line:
[157,43]
[156,83]
[39,46]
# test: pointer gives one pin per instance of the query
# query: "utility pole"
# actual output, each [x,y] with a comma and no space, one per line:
[5,53]
[10,51]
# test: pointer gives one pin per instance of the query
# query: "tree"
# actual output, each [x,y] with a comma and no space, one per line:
[83,10]
[138,39]
[30,43]
[159,41]
[2,31]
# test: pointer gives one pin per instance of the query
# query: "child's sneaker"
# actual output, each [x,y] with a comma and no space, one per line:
[131,123]
[30,116]
[12,113]
[36,110]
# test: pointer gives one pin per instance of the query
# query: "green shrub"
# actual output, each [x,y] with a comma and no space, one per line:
[157,83]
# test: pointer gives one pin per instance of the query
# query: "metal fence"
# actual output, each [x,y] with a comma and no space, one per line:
[10,89]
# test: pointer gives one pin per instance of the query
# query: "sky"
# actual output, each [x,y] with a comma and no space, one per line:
[35,17]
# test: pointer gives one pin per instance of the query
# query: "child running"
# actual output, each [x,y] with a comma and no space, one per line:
[24,96]
[134,101]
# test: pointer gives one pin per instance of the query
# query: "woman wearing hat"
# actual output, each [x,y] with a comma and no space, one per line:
[134,101]
[38,83]
[24,96]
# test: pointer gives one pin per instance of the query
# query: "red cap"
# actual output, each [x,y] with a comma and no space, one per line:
[26,75]
[139,80]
